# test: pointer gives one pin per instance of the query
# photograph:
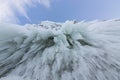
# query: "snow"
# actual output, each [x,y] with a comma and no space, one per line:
[60,51]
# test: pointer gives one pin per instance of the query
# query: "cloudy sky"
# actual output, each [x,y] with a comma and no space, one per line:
[35,11]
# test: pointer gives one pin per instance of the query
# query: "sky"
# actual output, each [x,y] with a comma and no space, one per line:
[35,11]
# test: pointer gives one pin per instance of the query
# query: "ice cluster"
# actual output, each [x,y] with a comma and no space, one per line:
[60,51]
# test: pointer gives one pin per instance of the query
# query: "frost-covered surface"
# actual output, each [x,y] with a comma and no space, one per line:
[60,51]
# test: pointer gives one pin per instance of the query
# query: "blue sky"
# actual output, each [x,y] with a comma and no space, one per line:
[62,10]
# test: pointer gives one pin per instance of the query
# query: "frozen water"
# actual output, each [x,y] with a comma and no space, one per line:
[60,51]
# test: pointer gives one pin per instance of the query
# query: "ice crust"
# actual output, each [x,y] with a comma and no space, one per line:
[60,51]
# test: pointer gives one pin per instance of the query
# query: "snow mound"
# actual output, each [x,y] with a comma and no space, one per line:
[60,51]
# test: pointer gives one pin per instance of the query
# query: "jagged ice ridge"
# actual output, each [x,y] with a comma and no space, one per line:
[60,51]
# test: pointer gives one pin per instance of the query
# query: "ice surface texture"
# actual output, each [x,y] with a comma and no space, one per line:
[60,51]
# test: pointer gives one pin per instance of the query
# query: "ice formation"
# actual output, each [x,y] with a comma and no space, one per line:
[60,51]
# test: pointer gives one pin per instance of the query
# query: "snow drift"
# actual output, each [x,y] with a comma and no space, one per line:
[60,51]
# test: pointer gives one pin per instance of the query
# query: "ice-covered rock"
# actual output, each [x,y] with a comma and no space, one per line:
[60,51]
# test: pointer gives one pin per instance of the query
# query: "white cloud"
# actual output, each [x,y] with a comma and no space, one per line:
[9,8]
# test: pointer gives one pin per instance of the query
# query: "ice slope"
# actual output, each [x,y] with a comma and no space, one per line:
[60,51]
